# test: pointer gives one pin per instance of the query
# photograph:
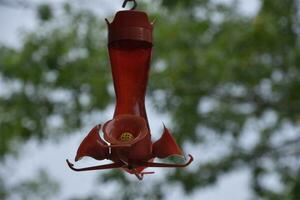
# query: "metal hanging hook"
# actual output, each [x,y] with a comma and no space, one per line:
[134,4]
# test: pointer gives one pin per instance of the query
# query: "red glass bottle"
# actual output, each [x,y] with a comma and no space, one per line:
[130,49]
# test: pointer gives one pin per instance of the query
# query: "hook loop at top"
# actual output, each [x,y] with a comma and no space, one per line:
[134,5]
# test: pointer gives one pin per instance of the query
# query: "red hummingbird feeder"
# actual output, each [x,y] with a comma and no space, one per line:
[127,137]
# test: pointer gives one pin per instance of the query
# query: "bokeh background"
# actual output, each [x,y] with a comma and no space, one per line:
[225,78]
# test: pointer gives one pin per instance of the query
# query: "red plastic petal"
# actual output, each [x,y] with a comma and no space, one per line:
[166,146]
[93,146]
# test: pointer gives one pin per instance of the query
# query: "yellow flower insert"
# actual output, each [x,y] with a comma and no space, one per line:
[126,137]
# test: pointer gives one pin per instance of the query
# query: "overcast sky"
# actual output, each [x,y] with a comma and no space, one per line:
[52,155]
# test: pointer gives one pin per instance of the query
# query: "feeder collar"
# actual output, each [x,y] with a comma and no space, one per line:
[130,25]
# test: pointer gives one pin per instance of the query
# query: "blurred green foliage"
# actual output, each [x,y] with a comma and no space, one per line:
[41,187]
[245,69]
[45,12]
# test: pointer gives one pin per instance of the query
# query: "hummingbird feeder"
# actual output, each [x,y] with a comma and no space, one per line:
[127,137]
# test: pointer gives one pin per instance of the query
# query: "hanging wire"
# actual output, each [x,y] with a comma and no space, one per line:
[134,4]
